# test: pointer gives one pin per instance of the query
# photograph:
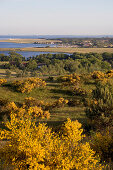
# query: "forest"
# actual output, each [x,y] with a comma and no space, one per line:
[56,64]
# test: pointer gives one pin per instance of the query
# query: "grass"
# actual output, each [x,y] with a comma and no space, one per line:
[3,73]
[61,50]
[50,94]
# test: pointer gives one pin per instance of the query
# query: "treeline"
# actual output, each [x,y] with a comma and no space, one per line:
[13,56]
[57,64]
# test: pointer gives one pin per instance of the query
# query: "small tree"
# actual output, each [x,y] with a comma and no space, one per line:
[100,108]
[32,65]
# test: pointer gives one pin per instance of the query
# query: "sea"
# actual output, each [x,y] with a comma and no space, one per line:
[30,53]
[52,36]
[23,45]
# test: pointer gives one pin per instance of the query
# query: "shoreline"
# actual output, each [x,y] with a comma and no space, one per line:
[27,41]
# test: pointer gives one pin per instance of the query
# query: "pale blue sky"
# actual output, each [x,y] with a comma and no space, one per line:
[59,17]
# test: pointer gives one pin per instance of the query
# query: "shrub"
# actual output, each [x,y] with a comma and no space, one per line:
[8,74]
[6,108]
[59,103]
[26,85]
[29,102]
[79,91]
[2,81]
[98,75]
[3,102]
[100,107]
[71,79]
[28,107]
[102,143]
[37,147]
[109,73]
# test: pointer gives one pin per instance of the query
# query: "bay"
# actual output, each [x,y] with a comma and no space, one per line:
[28,54]
[23,45]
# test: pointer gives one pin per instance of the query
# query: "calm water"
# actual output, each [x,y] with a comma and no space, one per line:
[28,54]
[23,45]
[52,36]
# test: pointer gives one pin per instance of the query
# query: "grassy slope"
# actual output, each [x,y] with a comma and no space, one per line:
[51,93]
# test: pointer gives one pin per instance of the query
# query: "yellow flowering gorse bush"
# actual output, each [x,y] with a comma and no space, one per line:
[26,85]
[37,147]
[29,101]
[102,143]
[98,75]
[36,108]
[71,79]
[33,110]
[2,81]
[79,91]
[59,103]
[109,73]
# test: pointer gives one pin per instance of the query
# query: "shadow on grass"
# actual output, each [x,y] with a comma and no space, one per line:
[3,74]
[89,82]
[53,85]
[10,87]
[60,91]
[56,125]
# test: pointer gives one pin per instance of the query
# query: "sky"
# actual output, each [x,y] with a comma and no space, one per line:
[56,17]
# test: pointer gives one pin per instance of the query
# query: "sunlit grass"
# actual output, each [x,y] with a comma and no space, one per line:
[62,50]
[49,94]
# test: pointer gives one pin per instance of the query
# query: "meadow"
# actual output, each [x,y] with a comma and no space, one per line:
[51,93]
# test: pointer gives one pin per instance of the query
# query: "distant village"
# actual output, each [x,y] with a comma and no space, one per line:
[80,43]
[87,43]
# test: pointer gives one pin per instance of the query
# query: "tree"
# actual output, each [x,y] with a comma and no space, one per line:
[100,109]
[32,65]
